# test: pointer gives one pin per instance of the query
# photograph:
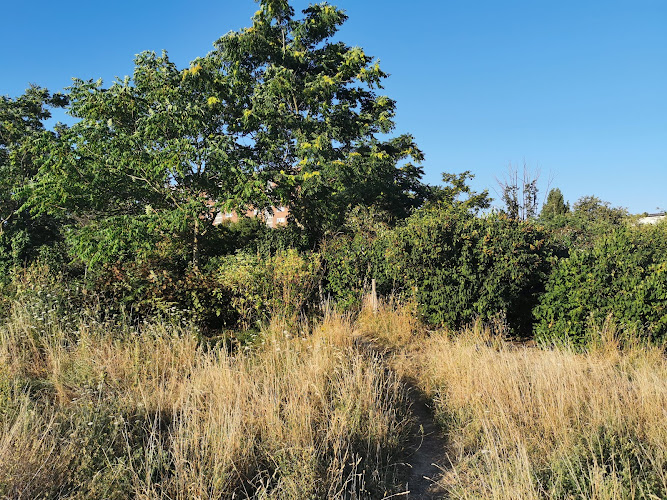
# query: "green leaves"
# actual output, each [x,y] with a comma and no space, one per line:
[461,267]
[450,194]
[276,115]
[24,146]
[622,274]
[309,108]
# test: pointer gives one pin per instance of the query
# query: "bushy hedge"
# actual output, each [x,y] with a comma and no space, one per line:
[348,264]
[623,274]
[353,258]
[460,267]
[238,290]
[260,288]
[160,279]
[456,266]
[158,287]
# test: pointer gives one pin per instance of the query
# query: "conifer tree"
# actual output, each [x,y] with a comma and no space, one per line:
[554,206]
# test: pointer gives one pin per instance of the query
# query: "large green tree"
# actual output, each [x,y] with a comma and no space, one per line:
[144,160]
[317,126]
[277,114]
[22,133]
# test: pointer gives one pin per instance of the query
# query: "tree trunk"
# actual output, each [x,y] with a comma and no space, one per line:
[195,246]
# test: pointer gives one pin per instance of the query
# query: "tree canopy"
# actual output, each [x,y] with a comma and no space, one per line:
[554,206]
[22,132]
[277,114]
[457,194]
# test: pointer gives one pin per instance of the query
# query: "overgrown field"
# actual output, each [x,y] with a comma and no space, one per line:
[111,410]
[184,279]
[524,422]
[96,408]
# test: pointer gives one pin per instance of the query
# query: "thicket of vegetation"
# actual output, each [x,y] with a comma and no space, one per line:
[94,408]
[622,274]
[146,352]
[121,203]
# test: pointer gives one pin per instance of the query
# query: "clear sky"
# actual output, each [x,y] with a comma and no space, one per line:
[576,89]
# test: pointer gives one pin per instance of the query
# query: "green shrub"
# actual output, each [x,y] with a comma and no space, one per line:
[351,262]
[623,275]
[589,220]
[26,240]
[460,267]
[40,291]
[261,288]
[157,287]
[353,258]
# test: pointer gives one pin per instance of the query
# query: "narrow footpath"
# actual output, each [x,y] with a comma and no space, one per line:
[426,457]
[426,454]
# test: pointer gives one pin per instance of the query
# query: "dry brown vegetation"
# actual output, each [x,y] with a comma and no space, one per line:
[103,410]
[524,422]
[93,409]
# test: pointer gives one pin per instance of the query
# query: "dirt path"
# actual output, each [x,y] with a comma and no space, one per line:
[426,453]
[426,457]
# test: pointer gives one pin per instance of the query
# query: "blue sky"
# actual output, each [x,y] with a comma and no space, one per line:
[574,89]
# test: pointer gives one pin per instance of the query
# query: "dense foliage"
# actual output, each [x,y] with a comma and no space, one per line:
[121,204]
[460,267]
[22,133]
[276,115]
[624,274]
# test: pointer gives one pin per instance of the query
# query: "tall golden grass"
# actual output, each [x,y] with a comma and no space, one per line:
[92,409]
[524,422]
[102,410]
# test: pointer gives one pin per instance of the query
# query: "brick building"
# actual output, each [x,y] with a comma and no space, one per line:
[274,217]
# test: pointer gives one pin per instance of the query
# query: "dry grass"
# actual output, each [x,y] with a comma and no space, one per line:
[523,422]
[111,410]
[391,325]
[94,410]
